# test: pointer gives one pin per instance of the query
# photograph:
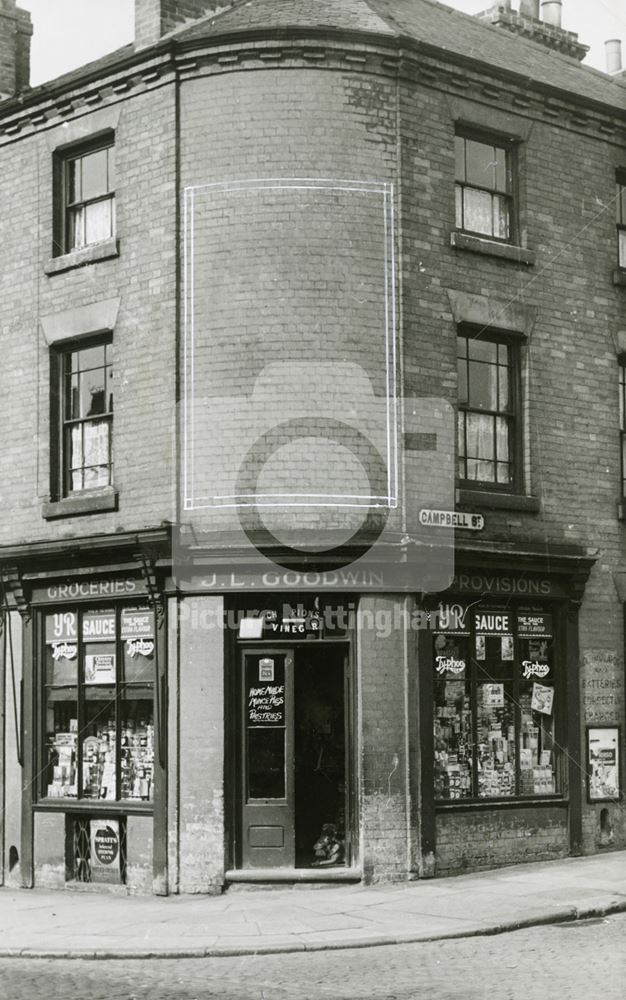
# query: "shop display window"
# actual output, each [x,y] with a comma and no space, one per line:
[98,707]
[494,704]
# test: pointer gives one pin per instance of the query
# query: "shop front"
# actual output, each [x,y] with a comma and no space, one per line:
[503,677]
[85,655]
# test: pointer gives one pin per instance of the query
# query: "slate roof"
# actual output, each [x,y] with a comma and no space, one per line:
[246,15]
[425,21]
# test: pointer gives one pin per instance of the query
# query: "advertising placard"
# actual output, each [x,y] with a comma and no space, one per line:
[531,625]
[137,623]
[493,695]
[100,668]
[99,626]
[62,627]
[104,842]
[493,622]
[542,699]
[603,763]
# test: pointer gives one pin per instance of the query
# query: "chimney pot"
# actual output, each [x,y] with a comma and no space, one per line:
[529,8]
[551,12]
[613,50]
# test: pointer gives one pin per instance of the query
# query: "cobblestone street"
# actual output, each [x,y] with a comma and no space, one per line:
[578,961]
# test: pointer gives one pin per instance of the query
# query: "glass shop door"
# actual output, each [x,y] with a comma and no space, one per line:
[268,809]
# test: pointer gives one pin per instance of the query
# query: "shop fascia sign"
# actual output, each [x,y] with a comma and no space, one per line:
[81,590]
[451,519]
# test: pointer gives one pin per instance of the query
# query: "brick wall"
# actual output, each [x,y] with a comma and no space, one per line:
[143,277]
[197,751]
[483,840]
[289,303]
[385,804]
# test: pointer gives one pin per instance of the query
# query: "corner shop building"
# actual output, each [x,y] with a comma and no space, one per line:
[136,729]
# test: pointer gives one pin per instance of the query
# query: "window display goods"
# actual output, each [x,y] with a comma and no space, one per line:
[99,668]
[494,703]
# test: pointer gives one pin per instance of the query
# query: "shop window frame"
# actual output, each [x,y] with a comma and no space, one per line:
[510,194]
[60,488]
[474,801]
[514,343]
[82,805]
[63,206]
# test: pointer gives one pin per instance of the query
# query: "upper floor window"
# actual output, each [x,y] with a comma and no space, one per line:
[621,219]
[488,419]
[86,417]
[86,199]
[484,187]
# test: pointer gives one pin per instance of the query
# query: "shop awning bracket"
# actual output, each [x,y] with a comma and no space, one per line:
[13,583]
[147,558]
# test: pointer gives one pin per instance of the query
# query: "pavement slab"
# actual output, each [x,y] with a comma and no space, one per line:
[265,921]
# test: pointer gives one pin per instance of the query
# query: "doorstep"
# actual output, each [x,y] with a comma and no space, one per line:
[287,875]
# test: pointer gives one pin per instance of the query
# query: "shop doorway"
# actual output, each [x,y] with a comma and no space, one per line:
[294,762]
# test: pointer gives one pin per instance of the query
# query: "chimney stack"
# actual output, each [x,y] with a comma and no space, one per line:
[613,50]
[155,18]
[15,34]
[528,24]
[529,8]
[551,12]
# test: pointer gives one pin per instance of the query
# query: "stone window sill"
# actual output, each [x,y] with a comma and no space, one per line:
[96,502]
[482,805]
[485,500]
[619,276]
[491,248]
[86,255]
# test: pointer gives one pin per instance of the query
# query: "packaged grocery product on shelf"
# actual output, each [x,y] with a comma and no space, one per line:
[137,760]
[62,762]
[99,762]
[452,723]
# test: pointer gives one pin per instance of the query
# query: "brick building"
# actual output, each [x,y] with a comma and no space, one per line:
[335,589]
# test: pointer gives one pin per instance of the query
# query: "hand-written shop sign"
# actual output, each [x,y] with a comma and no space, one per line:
[603,687]
[266,705]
